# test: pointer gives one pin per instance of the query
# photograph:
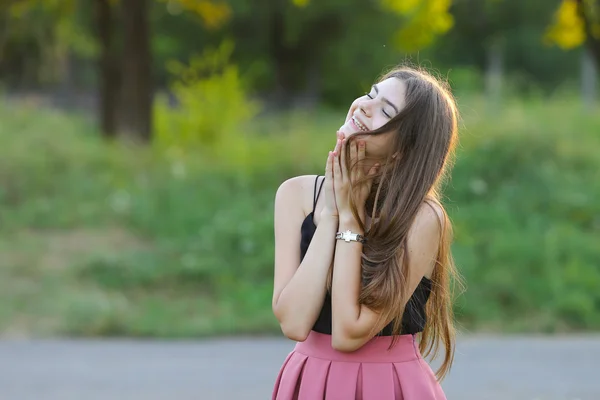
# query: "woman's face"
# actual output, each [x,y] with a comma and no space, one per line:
[373,110]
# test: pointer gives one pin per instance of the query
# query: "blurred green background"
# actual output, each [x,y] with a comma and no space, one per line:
[142,143]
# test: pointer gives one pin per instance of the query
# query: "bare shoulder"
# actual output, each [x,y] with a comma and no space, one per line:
[298,191]
[425,235]
[429,221]
[432,213]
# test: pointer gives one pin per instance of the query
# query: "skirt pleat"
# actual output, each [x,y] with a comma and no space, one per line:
[341,382]
[314,370]
[280,375]
[314,378]
[291,377]
[414,382]
[378,381]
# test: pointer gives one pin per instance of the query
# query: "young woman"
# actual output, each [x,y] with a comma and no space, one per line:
[362,255]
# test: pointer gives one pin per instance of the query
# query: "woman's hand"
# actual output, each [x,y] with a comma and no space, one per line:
[342,178]
[330,209]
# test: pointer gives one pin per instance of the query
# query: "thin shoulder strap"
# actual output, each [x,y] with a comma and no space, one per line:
[316,194]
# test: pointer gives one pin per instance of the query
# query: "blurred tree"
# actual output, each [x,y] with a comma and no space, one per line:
[38,38]
[213,14]
[127,76]
[109,76]
[136,80]
[577,22]
[331,49]
[500,37]
[125,84]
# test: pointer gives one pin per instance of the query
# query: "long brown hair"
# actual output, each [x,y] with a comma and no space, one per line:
[423,140]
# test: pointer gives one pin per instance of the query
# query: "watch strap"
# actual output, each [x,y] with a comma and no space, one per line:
[349,236]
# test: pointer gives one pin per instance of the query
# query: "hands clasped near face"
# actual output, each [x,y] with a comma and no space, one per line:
[338,178]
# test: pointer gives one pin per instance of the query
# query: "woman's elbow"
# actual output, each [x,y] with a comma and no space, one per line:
[291,330]
[344,344]
[296,333]
[344,339]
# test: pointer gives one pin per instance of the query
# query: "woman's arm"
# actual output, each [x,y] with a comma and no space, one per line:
[299,291]
[352,322]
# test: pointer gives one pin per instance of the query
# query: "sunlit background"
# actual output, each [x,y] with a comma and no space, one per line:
[142,143]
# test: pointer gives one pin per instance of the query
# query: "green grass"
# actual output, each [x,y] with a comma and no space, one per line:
[104,239]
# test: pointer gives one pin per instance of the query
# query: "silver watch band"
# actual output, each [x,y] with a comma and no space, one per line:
[349,236]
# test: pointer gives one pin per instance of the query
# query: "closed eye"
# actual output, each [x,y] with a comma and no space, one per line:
[369,95]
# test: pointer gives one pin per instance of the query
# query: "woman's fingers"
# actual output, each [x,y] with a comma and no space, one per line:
[362,147]
[374,169]
[338,144]
[353,159]
[337,173]
[343,169]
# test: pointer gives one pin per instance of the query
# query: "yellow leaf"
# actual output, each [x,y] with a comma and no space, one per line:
[425,21]
[214,14]
[567,30]
[300,3]
[401,7]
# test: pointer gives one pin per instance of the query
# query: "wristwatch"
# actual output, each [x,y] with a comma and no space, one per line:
[348,236]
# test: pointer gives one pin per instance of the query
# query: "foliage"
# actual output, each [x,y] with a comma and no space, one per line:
[100,239]
[426,20]
[420,20]
[568,28]
[212,13]
[212,106]
[515,29]
[567,31]
[327,50]
[55,23]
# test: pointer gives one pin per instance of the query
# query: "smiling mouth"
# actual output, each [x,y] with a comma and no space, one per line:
[359,125]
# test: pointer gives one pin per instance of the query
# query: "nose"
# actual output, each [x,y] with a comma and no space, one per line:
[365,108]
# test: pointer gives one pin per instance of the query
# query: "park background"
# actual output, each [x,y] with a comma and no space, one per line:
[142,143]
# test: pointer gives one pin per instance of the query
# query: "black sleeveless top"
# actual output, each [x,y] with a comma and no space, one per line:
[413,319]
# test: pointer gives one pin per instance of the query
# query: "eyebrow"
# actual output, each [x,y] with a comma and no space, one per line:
[386,100]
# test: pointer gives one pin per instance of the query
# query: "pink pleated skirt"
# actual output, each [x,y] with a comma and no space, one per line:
[314,370]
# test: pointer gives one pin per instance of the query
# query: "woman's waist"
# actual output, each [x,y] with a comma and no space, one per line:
[375,350]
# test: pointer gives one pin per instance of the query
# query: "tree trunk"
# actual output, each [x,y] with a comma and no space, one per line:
[589,79]
[136,72]
[592,42]
[309,98]
[108,69]
[493,76]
